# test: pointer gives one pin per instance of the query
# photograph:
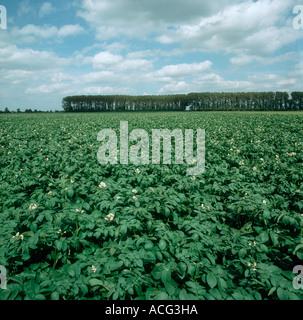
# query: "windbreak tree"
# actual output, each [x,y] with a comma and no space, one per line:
[296,100]
[204,101]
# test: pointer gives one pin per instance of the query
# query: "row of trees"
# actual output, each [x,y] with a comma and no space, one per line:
[124,103]
[206,101]
[6,110]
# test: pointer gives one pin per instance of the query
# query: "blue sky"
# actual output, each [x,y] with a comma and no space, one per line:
[52,49]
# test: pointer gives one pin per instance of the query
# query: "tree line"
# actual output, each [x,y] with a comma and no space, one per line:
[206,101]
[6,110]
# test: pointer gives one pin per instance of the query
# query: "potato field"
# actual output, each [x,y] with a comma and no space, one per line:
[73,229]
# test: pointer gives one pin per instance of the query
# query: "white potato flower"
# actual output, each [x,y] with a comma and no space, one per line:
[102,185]
[110,217]
[32,206]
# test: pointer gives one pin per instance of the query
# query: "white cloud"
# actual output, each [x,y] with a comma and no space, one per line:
[242,59]
[118,63]
[25,8]
[14,58]
[46,88]
[247,28]
[297,73]
[214,82]
[137,65]
[140,18]
[207,82]
[16,77]
[176,87]
[31,33]
[35,31]
[106,90]
[70,30]
[183,70]
[288,81]
[46,9]
[105,59]
[98,77]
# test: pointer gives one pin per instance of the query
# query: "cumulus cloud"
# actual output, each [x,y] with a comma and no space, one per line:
[105,59]
[14,58]
[176,87]
[208,82]
[118,63]
[31,33]
[215,25]
[141,18]
[183,70]
[31,30]
[248,29]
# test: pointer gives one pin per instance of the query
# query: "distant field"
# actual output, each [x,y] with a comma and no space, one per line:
[233,232]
